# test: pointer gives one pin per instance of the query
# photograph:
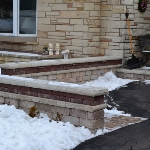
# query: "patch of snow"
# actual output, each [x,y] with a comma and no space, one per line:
[64,84]
[19,53]
[146,68]
[108,81]
[21,132]
[114,112]
[19,78]
[146,81]
[105,130]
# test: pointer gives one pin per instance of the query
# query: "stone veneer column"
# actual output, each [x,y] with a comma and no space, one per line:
[75,24]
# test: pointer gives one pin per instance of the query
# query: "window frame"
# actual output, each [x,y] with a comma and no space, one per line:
[16,10]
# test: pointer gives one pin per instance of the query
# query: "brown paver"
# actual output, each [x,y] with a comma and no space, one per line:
[121,121]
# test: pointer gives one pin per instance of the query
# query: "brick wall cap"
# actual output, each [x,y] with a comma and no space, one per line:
[57,62]
[53,85]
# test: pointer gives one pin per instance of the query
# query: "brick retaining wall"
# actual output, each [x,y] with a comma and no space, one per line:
[55,95]
[38,69]
[77,70]
[80,105]
[78,115]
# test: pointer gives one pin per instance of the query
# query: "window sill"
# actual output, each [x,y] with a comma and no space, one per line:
[17,39]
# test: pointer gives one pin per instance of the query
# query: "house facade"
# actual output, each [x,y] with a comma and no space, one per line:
[85,27]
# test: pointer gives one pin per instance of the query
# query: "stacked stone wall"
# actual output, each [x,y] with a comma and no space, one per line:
[114,30]
[88,27]
[75,24]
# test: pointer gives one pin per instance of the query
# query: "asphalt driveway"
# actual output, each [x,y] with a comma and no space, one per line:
[133,99]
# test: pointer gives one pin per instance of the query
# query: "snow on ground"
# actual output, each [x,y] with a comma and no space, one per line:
[20,132]
[146,68]
[19,53]
[147,81]
[109,81]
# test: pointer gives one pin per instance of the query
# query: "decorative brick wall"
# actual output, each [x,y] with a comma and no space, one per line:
[90,117]
[54,95]
[38,69]
[81,106]
[71,70]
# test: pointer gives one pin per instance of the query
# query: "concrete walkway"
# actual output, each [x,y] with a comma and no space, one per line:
[133,99]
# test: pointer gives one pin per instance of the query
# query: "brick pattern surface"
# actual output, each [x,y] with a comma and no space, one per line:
[55,95]
[120,121]
[39,69]
[91,120]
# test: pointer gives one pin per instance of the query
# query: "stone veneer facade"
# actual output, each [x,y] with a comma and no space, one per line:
[87,27]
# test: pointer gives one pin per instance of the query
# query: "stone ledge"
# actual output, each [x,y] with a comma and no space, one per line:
[53,102]
[135,71]
[53,85]
[58,62]
[24,55]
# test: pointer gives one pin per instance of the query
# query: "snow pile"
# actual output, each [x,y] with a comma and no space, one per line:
[20,132]
[146,68]
[16,77]
[146,81]
[109,81]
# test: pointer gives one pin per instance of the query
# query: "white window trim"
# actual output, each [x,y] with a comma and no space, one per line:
[16,22]
[15,18]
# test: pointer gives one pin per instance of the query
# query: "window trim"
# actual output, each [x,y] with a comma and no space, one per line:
[16,11]
[17,39]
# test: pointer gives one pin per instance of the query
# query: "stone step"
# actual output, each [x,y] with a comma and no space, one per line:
[135,74]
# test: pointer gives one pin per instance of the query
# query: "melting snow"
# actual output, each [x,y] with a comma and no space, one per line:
[109,81]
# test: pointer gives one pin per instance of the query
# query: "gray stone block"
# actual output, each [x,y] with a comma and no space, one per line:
[78,113]
[1,100]
[72,120]
[12,102]
[26,104]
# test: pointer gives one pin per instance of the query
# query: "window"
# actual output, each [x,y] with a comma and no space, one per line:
[18,17]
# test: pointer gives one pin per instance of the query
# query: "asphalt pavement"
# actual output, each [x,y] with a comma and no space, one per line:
[134,99]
